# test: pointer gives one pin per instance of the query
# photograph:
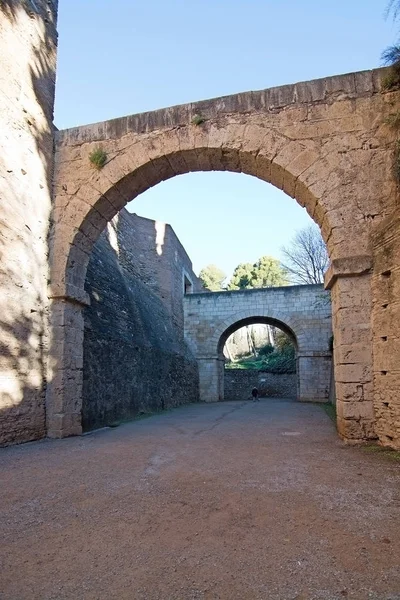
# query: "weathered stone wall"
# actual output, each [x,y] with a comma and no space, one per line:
[238,384]
[386,331]
[135,358]
[314,376]
[351,318]
[28,41]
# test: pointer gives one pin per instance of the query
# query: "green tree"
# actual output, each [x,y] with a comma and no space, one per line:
[266,272]
[241,278]
[212,278]
[306,256]
[283,343]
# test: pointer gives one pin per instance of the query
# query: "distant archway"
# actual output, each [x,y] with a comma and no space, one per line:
[263,357]
[301,311]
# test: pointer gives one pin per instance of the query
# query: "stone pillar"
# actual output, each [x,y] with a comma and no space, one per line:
[313,373]
[65,369]
[349,280]
[211,378]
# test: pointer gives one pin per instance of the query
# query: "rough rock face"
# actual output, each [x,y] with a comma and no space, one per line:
[135,358]
[28,40]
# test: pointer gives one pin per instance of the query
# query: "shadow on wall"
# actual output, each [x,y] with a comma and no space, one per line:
[135,359]
[26,167]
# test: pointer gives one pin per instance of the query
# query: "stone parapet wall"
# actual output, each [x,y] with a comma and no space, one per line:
[239,383]
[28,42]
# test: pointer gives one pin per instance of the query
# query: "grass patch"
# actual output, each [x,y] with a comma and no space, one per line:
[393,120]
[391,81]
[396,161]
[382,451]
[198,120]
[98,158]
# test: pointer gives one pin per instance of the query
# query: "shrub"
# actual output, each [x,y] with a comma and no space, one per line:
[393,120]
[280,363]
[265,350]
[98,158]
[396,161]
[198,120]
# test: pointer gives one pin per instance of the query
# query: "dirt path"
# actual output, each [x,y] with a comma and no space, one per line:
[224,501]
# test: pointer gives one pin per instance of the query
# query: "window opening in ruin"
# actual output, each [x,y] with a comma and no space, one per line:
[187,285]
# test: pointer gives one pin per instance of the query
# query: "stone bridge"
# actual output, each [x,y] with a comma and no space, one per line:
[302,311]
[325,143]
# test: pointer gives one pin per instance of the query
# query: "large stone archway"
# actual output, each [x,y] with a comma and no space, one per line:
[303,312]
[321,142]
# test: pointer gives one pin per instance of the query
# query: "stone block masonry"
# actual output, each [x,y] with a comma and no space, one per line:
[28,42]
[135,358]
[386,331]
[325,143]
[238,384]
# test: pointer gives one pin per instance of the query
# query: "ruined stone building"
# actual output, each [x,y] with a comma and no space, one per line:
[84,316]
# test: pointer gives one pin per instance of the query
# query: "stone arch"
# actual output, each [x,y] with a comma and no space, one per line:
[290,326]
[211,359]
[82,216]
[319,142]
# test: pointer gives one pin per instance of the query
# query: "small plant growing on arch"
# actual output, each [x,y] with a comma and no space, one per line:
[198,120]
[98,158]
[396,162]
[393,120]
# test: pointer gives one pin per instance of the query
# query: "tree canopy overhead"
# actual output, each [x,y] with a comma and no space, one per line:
[212,278]
[266,272]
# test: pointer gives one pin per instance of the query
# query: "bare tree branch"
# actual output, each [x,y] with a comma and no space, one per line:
[307,257]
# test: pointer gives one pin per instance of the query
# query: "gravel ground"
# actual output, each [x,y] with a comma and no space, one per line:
[236,500]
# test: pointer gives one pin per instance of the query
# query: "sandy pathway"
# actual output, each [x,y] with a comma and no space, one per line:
[228,501]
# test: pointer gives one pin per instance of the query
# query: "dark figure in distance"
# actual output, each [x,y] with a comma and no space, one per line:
[254,393]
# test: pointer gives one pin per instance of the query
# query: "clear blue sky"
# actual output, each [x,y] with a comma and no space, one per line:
[128,56]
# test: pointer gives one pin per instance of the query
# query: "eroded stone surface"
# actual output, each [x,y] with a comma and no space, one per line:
[386,330]
[135,359]
[27,76]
